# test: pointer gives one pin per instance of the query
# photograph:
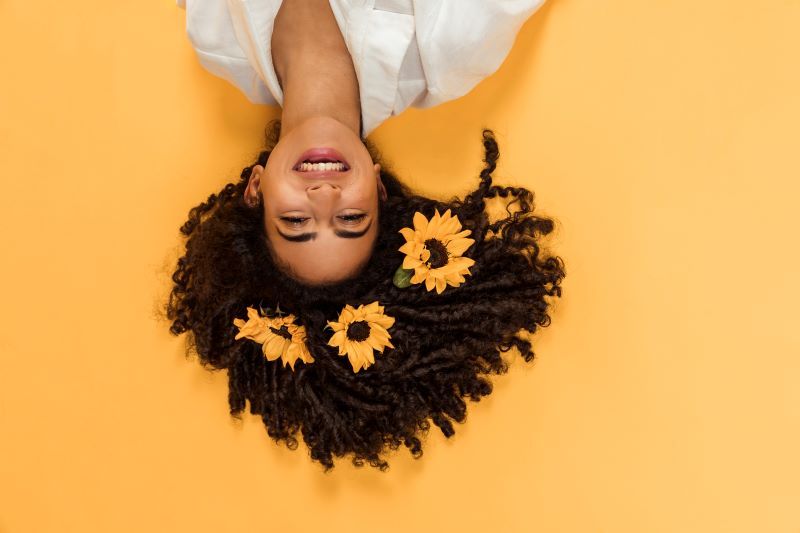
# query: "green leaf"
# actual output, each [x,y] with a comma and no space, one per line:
[402,277]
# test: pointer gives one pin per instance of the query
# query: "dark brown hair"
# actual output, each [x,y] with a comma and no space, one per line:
[445,344]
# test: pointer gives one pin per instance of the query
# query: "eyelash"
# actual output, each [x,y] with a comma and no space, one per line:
[295,221]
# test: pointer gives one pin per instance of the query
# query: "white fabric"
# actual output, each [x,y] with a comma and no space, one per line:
[405,52]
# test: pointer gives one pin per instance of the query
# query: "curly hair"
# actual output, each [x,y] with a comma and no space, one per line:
[444,344]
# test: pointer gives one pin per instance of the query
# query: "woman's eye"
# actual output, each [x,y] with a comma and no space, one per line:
[353,218]
[297,221]
[294,221]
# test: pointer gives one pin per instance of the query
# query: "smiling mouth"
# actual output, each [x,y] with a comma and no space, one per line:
[322,166]
[321,160]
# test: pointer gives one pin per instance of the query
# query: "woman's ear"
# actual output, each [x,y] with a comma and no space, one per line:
[381,187]
[253,190]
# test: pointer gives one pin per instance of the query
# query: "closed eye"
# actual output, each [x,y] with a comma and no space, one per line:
[353,218]
[296,221]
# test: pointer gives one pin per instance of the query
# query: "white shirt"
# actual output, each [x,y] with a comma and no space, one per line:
[405,52]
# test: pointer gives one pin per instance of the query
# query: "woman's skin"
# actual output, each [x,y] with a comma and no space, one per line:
[321,110]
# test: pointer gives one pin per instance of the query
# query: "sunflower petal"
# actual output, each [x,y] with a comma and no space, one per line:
[460,235]
[408,248]
[374,342]
[408,233]
[252,328]
[456,276]
[451,225]
[420,222]
[301,352]
[361,354]
[354,355]
[433,226]
[380,342]
[370,353]
[449,268]
[410,262]
[430,283]
[367,354]
[440,285]
[384,321]
[347,349]
[373,307]
[459,246]
[337,338]
[273,348]
[262,337]
[466,262]
[379,332]
[420,273]
[346,316]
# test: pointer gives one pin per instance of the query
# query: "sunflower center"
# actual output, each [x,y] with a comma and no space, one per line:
[283,332]
[358,331]
[438,252]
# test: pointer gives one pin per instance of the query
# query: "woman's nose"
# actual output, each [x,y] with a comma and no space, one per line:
[323,189]
[323,195]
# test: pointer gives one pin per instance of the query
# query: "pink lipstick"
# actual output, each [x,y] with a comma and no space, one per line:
[318,160]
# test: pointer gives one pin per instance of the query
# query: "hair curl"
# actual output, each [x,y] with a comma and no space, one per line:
[444,343]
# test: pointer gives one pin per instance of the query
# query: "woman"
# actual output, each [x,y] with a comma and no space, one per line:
[320,222]
[370,309]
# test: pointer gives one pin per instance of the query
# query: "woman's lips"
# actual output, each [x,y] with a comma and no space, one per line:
[321,160]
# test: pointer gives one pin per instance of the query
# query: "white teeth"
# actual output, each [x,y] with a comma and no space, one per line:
[319,167]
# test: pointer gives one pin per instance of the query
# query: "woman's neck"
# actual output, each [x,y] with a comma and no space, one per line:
[313,65]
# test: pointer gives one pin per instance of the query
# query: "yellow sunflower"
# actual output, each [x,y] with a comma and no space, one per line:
[279,337]
[433,250]
[359,331]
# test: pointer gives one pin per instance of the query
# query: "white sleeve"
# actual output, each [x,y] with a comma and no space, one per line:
[211,31]
[461,42]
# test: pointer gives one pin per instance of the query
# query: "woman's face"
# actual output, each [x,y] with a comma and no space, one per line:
[321,192]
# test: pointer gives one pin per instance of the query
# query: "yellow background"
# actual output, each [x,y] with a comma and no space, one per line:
[663,136]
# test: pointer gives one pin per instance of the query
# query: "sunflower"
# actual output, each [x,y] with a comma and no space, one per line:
[359,331]
[433,250]
[279,337]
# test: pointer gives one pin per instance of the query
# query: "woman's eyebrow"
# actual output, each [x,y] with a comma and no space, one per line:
[303,237]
